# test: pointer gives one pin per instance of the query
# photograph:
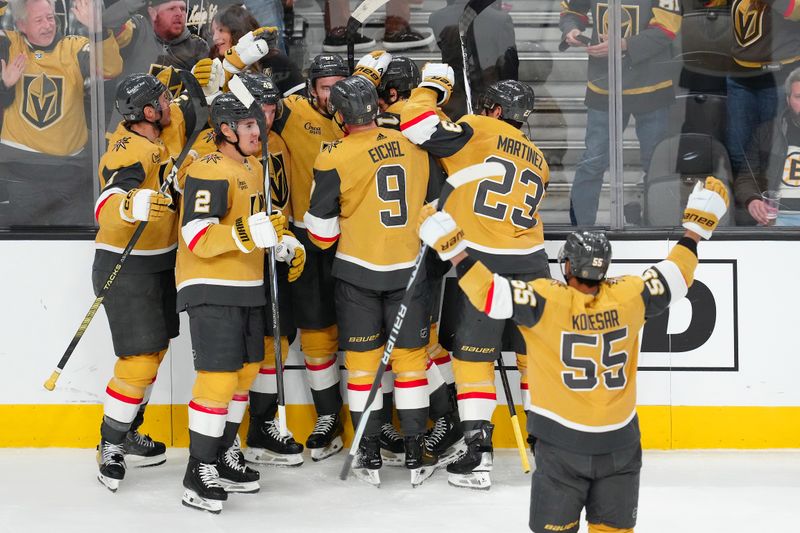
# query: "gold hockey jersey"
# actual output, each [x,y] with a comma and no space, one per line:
[499,216]
[44,111]
[368,191]
[306,132]
[210,268]
[582,349]
[133,162]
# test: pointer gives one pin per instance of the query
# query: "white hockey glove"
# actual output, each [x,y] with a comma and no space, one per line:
[292,252]
[211,77]
[439,77]
[144,205]
[256,231]
[373,65]
[706,207]
[251,47]
[438,230]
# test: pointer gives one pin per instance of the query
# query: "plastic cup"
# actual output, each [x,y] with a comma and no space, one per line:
[772,201]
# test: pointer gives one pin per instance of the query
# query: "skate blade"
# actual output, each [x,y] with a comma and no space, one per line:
[319,454]
[393,459]
[195,501]
[142,461]
[452,454]
[475,480]
[240,487]
[418,475]
[263,456]
[372,477]
[108,482]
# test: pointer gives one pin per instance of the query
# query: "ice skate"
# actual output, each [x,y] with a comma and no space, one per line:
[111,460]
[393,451]
[202,489]
[472,470]
[445,440]
[326,437]
[266,446]
[419,459]
[368,461]
[234,474]
[142,450]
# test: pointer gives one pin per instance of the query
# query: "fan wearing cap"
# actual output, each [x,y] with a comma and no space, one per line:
[582,338]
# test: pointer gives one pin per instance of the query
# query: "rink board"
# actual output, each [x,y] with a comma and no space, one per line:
[718,372]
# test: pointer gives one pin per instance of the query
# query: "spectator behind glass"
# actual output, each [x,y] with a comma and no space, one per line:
[234,22]
[44,133]
[397,34]
[270,13]
[766,46]
[772,162]
[182,49]
[649,28]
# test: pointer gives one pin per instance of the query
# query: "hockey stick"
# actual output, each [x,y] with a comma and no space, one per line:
[354,23]
[512,409]
[201,118]
[238,89]
[463,176]
[471,10]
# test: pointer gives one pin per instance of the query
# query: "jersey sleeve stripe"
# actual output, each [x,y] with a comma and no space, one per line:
[323,229]
[421,128]
[193,230]
[103,198]
[499,303]
[673,278]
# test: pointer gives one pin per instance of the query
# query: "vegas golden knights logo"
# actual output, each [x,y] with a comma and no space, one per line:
[629,19]
[169,77]
[43,99]
[748,21]
[278,182]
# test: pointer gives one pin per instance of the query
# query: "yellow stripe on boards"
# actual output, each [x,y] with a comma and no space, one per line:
[663,427]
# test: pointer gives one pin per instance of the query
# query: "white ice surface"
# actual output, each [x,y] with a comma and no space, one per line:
[55,490]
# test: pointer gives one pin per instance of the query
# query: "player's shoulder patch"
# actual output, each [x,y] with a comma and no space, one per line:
[121,143]
[329,146]
[211,159]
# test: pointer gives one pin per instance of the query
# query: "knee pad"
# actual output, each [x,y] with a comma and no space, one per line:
[246,376]
[474,376]
[269,351]
[409,364]
[215,389]
[134,373]
[602,528]
[362,366]
[319,343]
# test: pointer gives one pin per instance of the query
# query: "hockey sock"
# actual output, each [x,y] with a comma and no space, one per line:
[387,387]
[440,356]
[602,528]
[477,396]
[208,412]
[320,347]
[522,365]
[236,409]
[411,389]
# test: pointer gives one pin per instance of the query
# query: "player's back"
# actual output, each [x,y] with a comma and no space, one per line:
[582,359]
[500,216]
[383,180]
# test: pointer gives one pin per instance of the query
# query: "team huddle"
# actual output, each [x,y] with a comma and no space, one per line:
[340,187]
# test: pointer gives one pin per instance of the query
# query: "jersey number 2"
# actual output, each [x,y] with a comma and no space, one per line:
[534,190]
[391,183]
[613,363]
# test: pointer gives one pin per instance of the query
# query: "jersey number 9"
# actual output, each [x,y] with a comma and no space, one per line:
[390,181]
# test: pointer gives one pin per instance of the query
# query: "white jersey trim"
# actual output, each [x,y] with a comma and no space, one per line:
[503,251]
[191,229]
[502,305]
[326,228]
[372,266]
[220,282]
[145,253]
[674,279]
[581,427]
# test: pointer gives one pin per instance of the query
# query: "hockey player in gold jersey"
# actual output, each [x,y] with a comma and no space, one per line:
[398,79]
[366,190]
[220,280]
[504,230]
[583,345]
[141,308]
[308,129]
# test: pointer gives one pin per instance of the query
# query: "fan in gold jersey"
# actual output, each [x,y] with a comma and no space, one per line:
[583,345]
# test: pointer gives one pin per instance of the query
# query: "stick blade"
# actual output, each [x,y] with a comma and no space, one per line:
[238,90]
[367,8]
[471,10]
[475,173]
